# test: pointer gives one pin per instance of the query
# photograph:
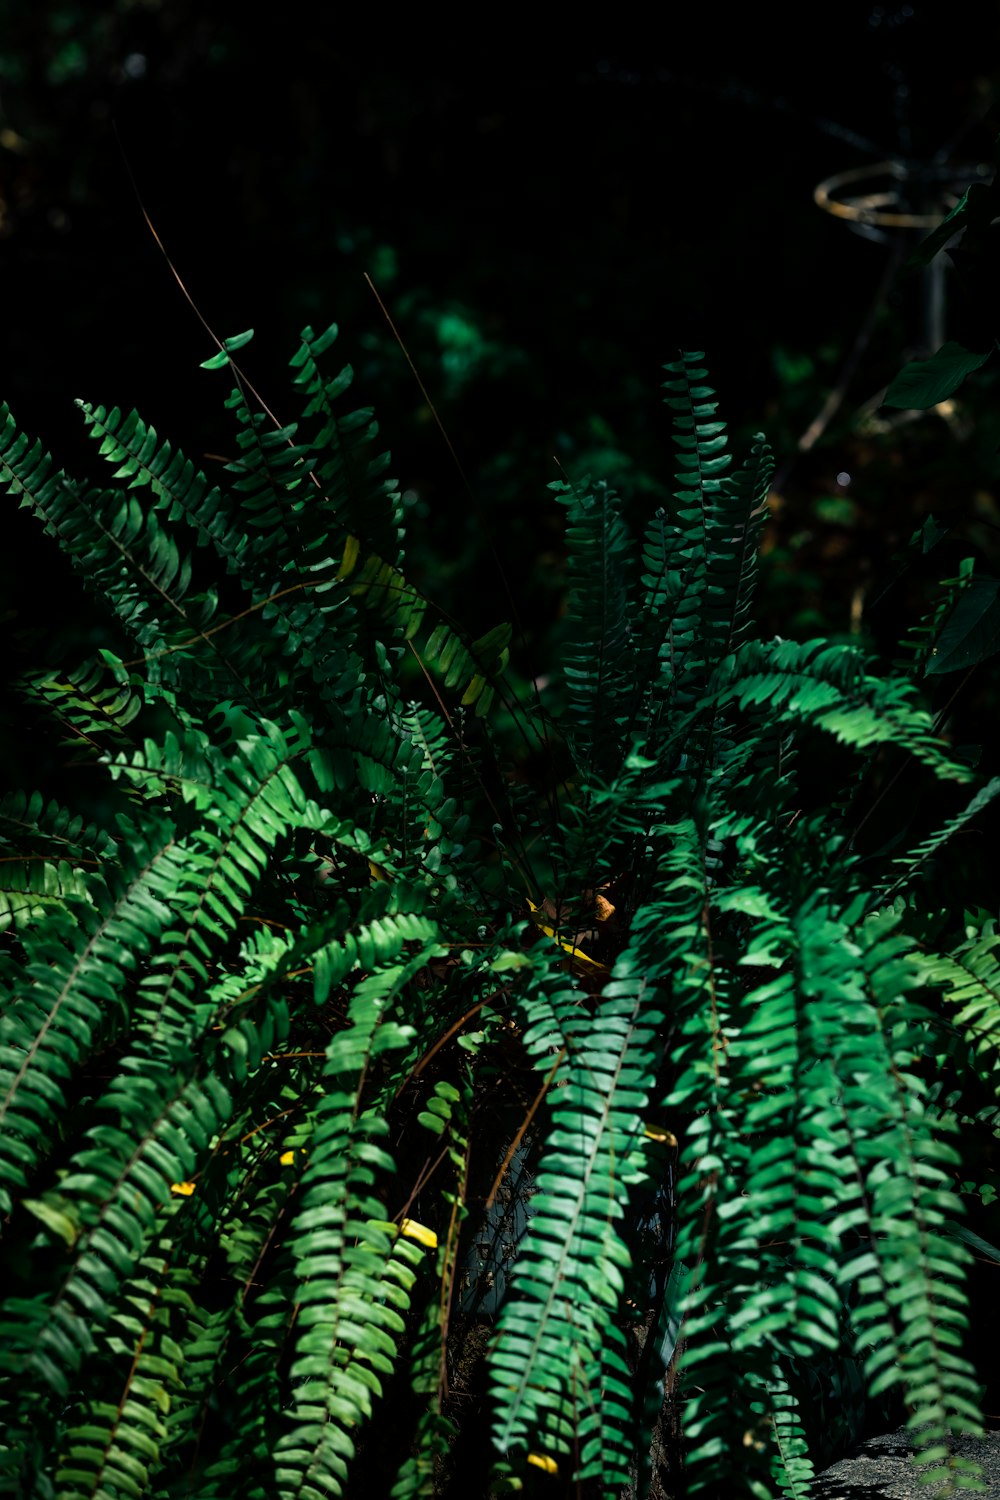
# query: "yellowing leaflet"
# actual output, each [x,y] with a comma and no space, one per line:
[575,953]
[352,547]
[544,1462]
[419,1232]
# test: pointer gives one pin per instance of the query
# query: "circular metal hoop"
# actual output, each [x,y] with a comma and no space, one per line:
[884,206]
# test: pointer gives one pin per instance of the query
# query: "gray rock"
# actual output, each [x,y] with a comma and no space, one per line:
[880,1469]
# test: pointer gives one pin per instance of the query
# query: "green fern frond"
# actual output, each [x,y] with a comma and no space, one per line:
[50,858]
[700,439]
[791,1466]
[669,609]
[597,657]
[700,564]
[732,536]
[472,666]
[292,587]
[559,1369]
[969,978]
[355,1271]
[116,1446]
[140,456]
[897,1165]
[435,1431]
[428,731]
[27,820]
[29,889]
[75,961]
[28,473]
[123,1192]
[351,474]
[829,687]
[909,865]
[919,643]
[95,702]
[818,1136]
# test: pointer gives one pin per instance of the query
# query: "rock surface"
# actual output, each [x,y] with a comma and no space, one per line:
[880,1469]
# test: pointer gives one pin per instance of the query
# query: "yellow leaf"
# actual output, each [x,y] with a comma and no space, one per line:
[351,549]
[182,1189]
[418,1232]
[542,1461]
[575,953]
[377,872]
[287,1157]
[658,1133]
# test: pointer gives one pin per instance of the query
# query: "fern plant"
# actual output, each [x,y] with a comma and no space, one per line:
[281,1034]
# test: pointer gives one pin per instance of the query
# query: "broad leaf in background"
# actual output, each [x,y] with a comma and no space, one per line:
[925,382]
[972,630]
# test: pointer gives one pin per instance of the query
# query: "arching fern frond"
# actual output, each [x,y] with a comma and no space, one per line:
[559,1370]
[599,632]
[279,579]
[355,1271]
[968,977]
[125,555]
[732,536]
[116,1445]
[46,857]
[910,1333]
[829,687]
[473,666]
[75,962]
[908,866]
[95,702]
[351,474]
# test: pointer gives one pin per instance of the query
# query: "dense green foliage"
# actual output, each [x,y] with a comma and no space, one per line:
[263,1032]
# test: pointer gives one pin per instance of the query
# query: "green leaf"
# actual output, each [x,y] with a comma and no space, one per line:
[64,1224]
[924,383]
[973,206]
[509,959]
[974,1241]
[971,633]
[229,346]
[929,534]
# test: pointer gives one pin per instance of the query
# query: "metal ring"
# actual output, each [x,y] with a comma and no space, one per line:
[873,208]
